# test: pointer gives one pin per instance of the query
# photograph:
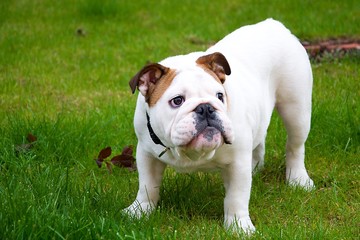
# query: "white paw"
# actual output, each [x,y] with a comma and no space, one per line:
[139,210]
[243,224]
[299,178]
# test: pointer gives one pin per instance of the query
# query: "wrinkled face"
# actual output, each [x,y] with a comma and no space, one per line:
[191,114]
[188,110]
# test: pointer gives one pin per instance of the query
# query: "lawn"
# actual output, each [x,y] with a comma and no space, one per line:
[64,72]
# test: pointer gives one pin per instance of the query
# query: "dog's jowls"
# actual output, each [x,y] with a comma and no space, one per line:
[211,110]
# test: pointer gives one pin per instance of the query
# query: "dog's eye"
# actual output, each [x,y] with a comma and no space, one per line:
[220,96]
[177,101]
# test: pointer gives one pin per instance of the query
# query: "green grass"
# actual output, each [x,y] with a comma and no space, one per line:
[71,91]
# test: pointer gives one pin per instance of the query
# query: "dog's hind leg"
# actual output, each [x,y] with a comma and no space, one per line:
[293,102]
[296,115]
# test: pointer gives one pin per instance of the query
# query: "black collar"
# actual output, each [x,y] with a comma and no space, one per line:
[154,137]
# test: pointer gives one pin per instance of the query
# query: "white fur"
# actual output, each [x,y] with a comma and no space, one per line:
[269,68]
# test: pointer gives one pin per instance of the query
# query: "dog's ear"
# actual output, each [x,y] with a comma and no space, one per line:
[217,63]
[146,77]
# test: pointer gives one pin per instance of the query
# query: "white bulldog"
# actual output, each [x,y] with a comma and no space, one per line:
[211,110]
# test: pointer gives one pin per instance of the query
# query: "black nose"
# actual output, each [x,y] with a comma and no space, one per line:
[205,111]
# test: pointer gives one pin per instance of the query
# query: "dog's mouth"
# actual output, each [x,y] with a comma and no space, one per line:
[209,128]
[209,137]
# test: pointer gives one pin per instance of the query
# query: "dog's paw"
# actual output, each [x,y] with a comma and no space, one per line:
[139,210]
[240,225]
[300,178]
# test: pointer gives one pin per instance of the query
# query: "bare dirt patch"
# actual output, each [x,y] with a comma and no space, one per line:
[333,48]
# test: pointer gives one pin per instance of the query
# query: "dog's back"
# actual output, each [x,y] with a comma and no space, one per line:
[263,48]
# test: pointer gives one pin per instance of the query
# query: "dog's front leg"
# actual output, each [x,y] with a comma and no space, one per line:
[150,175]
[237,180]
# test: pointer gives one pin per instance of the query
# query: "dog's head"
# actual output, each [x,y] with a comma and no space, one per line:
[187,103]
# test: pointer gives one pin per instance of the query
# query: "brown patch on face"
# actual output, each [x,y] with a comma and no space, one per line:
[157,90]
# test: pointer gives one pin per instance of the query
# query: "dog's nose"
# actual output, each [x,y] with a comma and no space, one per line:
[205,111]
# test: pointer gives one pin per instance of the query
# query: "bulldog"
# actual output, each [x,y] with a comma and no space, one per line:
[211,110]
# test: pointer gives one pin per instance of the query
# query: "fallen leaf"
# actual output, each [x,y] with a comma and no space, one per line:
[104,153]
[128,150]
[125,161]
[31,138]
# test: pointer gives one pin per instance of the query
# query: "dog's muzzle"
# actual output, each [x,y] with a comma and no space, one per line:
[206,117]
